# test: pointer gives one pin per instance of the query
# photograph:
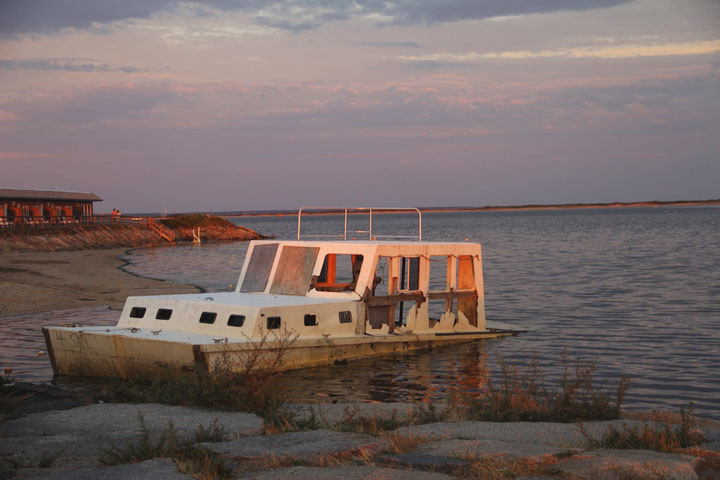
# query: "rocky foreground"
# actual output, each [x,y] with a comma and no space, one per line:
[75,444]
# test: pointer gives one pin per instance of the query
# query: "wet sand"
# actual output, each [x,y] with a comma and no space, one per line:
[42,281]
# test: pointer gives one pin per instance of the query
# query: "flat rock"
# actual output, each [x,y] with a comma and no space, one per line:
[296,444]
[712,439]
[331,413]
[492,448]
[422,460]
[346,473]
[565,435]
[76,437]
[122,420]
[155,469]
[637,464]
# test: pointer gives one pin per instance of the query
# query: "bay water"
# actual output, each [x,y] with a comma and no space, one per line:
[636,291]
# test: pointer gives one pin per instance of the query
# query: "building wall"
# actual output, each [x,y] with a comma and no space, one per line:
[44,211]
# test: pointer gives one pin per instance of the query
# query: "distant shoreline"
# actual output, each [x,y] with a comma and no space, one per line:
[491,208]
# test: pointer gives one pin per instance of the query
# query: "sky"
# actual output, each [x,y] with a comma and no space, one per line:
[251,105]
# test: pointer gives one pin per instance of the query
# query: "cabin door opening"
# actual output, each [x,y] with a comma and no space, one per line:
[396,281]
[466,281]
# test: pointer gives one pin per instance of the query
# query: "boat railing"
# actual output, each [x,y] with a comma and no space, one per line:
[357,210]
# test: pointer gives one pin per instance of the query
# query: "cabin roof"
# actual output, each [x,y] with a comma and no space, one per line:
[26,194]
[240,299]
[372,243]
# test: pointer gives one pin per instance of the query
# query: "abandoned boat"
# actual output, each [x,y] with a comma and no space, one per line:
[320,301]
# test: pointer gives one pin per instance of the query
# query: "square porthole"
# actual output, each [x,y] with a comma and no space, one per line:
[137,312]
[310,320]
[273,323]
[345,317]
[208,317]
[163,314]
[236,320]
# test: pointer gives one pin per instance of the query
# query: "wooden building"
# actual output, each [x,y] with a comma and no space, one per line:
[45,207]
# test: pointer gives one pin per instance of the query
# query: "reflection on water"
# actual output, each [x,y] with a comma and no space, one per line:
[396,378]
[635,290]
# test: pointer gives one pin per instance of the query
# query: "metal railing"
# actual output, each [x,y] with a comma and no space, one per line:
[358,210]
[66,221]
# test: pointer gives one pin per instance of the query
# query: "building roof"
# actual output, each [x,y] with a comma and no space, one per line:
[25,194]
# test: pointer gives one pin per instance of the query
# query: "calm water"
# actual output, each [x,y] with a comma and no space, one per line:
[635,290]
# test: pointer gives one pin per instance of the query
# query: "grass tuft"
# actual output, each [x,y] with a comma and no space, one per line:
[191,458]
[7,397]
[282,420]
[499,468]
[238,381]
[374,425]
[521,395]
[403,443]
[660,436]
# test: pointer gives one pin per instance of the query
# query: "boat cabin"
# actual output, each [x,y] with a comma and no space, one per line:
[327,289]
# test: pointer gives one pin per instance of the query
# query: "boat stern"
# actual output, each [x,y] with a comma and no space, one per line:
[102,352]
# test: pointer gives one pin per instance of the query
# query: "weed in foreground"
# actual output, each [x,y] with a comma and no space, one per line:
[191,458]
[7,398]
[403,443]
[661,436]
[247,380]
[521,395]
[502,469]
[374,425]
[282,420]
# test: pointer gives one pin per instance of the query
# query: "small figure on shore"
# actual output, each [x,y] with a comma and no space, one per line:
[114,215]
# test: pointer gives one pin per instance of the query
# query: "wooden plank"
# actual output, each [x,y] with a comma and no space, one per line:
[451,295]
[394,299]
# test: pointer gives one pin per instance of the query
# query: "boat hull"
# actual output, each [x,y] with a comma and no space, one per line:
[105,353]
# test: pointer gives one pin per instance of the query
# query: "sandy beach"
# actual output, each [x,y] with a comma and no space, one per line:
[41,281]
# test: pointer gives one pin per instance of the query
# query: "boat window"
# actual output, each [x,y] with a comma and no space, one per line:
[208,317]
[163,314]
[345,317]
[273,323]
[409,274]
[310,320]
[259,267]
[236,320]
[294,271]
[339,272]
[137,312]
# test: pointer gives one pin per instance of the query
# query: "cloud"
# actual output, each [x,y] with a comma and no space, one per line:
[389,44]
[64,64]
[442,59]
[19,17]
[93,105]
[47,16]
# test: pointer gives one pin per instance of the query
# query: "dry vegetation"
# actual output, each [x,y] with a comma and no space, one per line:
[195,220]
[660,434]
[243,381]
